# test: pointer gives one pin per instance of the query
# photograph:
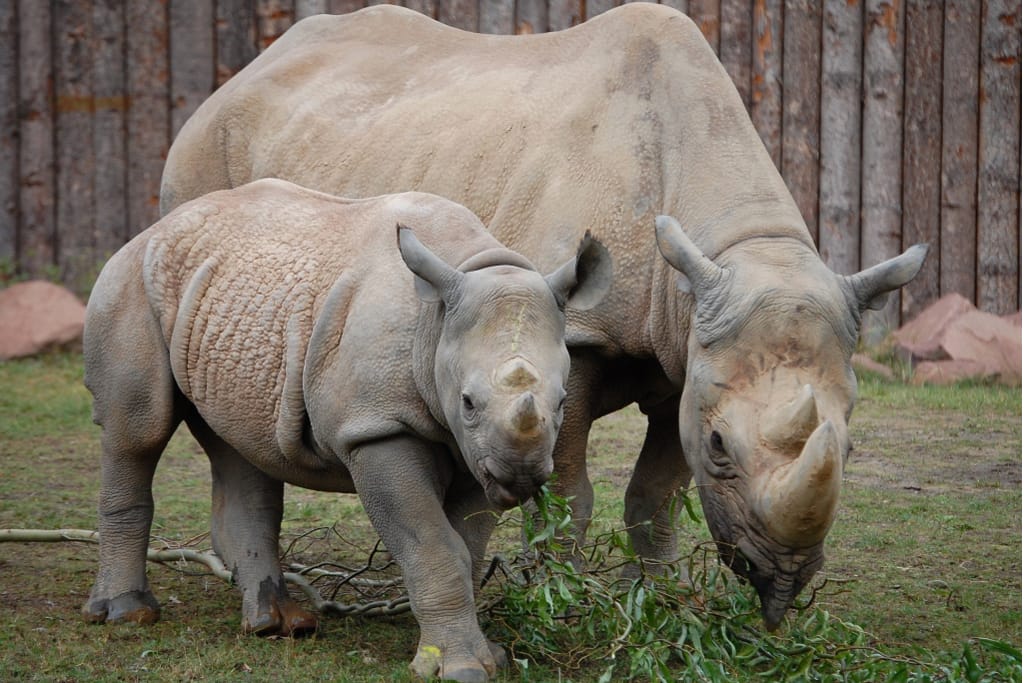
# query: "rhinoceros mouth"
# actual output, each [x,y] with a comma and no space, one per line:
[501,494]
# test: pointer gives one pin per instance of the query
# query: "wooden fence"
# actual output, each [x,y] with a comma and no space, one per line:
[893,122]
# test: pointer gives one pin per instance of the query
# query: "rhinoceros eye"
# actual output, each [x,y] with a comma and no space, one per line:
[717,452]
[716,442]
[467,403]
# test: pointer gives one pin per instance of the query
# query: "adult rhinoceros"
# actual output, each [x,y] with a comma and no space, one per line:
[603,127]
[280,324]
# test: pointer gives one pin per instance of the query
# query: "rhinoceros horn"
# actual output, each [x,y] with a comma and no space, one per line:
[798,499]
[792,424]
[685,256]
[524,416]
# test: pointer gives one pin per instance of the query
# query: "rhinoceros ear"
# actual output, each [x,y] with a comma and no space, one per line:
[871,287]
[583,281]
[435,279]
[686,257]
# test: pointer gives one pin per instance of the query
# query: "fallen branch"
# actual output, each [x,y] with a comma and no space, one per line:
[216,566]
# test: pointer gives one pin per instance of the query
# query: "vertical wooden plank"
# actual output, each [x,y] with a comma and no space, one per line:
[594,7]
[72,20]
[563,14]
[429,8]
[735,44]
[148,121]
[801,101]
[839,197]
[193,62]
[308,8]
[681,5]
[236,37]
[462,14]
[531,16]
[497,17]
[8,139]
[35,115]
[959,147]
[705,13]
[999,158]
[108,126]
[922,148]
[345,6]
[766,76]
[882,145]
[273,17]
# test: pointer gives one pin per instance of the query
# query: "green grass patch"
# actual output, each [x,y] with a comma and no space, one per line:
[923,566]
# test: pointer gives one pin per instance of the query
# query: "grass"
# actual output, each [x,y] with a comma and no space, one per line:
[925,554]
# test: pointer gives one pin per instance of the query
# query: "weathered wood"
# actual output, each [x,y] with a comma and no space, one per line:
[959,147]
[108,125]
[8,138]
[75,164]
[999,158]
[273,17]
[801,102]
[308,8]
[531,16]
[37,233]
[236,37]
[705,13]
[563,14]
[429,8]
[462,14]
[681,5]
[148,124]
[594,7]
[497,17]
[734,48]
[766,76]
[193,59]
[839,197]
[922,148]
[345,6]
[881,151]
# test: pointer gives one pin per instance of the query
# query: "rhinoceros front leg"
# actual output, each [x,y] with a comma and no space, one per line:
[246,510]
[399,481]
[652,493]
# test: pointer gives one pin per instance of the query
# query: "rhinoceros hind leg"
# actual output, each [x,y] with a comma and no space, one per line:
[247,508]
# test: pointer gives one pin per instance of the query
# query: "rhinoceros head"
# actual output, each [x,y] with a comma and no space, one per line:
[501,363]
[767,396]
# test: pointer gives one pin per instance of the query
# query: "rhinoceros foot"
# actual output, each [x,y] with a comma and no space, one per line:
[431,662]
[137,607]
[279,615]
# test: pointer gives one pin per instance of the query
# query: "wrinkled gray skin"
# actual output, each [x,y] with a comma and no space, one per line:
[283,327]
[604,126]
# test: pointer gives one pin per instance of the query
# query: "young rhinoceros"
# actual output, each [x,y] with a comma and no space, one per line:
[281,325]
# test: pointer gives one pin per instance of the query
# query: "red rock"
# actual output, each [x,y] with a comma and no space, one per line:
[862,362]
[952,340]
[38,315]
[921,338]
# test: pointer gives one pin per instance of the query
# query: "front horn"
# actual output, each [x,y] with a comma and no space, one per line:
[798,500]
[524,417]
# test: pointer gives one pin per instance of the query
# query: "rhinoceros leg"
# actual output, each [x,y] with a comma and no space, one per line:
[399,483]
[651,495]
[136,402]
[246,509]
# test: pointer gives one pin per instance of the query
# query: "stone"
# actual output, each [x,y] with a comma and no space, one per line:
[36,316]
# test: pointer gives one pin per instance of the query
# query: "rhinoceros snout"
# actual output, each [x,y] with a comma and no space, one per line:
[506,489]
